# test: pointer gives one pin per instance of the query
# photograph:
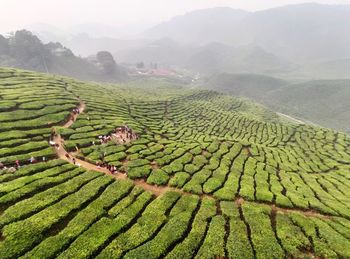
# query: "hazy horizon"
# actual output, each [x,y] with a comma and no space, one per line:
[14,14]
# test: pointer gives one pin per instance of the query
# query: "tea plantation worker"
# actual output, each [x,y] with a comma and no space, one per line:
[44,159]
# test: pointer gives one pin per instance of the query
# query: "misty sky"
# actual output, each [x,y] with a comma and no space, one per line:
[16,14]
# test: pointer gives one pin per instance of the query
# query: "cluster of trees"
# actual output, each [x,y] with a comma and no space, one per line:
[24,50]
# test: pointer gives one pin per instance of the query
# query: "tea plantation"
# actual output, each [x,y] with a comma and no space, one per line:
[210,175]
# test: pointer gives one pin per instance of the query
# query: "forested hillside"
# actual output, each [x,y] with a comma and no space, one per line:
[25,50]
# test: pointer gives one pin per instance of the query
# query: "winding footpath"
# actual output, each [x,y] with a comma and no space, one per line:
[156,190]
[61,153]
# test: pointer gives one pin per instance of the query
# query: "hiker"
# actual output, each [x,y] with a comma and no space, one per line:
[73,160]
[57,146]
[2,166]
[12,169]
[67,156]
[17,164]
[32,160]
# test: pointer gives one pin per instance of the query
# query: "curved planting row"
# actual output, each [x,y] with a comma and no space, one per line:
[260,187]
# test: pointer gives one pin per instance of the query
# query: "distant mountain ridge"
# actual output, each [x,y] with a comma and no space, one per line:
[203,26]
[307,41]
[210,58]
[300,32]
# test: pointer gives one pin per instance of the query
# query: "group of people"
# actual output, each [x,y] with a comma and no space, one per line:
[17,164]
[74,161]
[124,134]
[11,169]
[33,160]
[121,135]
[113,169]
[76,111]
[104,139]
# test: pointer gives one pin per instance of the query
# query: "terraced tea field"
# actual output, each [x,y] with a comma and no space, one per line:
[209,176]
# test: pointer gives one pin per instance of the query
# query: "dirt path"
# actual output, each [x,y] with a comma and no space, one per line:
[156,190]
[74,116]
[61,153]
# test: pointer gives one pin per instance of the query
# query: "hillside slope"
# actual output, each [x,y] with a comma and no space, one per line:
[253,86]
[207,175]
[324,102]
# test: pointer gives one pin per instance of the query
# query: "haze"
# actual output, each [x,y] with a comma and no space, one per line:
[15,14]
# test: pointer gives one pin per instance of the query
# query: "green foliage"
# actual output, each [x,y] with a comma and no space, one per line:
[214,243]
[158,177]
[179,179]
[139,172]
[223,149]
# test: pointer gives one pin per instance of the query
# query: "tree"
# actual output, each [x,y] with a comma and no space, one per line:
[4,46]
[106,61]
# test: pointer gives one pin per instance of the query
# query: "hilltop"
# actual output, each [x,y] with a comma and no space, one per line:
[25,50]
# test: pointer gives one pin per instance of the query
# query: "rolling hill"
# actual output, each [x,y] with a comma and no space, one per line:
[207,175]
[324,102]
[252,86]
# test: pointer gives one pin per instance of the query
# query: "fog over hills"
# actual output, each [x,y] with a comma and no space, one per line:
[297,32]
[201,26]
[304,41]
[273,56]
